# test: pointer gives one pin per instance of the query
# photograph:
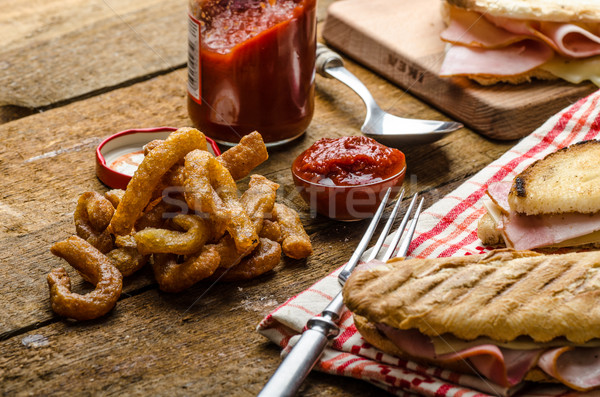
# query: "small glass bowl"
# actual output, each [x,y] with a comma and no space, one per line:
[347,203]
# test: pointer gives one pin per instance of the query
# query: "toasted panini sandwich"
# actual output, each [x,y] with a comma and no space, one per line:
[555,202]
[509,316]
[515,41]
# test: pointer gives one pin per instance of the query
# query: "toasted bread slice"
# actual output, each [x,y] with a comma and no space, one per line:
[501,295]
[567,180]
[540,10]
[535,74]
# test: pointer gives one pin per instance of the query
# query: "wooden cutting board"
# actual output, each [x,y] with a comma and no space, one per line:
[399,39]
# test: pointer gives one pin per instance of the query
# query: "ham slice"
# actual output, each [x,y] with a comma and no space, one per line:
[502,366]
[507,38]
[471,29]
[534,231]
[507,61]
[576,367]
[572,40]
[567,39]
[498,192]
[505,367]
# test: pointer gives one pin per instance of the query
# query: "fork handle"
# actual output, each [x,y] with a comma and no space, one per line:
[296,366]
[306,352]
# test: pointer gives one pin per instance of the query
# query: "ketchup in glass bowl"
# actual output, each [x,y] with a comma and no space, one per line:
[251,67]
[346,178]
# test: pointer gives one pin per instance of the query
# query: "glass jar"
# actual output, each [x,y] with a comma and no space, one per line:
[251,67]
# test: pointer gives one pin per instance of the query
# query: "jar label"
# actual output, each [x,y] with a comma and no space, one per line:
[194,58]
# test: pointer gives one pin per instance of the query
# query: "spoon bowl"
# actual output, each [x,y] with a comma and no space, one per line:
[382,126]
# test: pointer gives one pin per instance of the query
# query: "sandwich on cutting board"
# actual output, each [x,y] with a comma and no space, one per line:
[555,202]
[516,40]
[510,316]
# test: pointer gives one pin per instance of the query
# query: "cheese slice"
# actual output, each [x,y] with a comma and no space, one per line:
[448,343]
[574,70]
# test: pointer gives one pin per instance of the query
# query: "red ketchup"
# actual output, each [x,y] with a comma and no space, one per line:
[346,178]
[256,68]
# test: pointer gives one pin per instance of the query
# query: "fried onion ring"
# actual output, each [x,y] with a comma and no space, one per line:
[95,268]
[242,158]
[271,230]
[127,260]
[149,173]
[296,243]
[198,191]
[164,241]
[91,216]
[155,217]
[257,201]
[175,277]
[228,252]
[209,188]
[151,145]
[264,258]
[115,196]
[175,176]
[239,160]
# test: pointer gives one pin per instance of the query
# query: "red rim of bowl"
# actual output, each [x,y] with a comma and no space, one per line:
[299,182]
[119,180]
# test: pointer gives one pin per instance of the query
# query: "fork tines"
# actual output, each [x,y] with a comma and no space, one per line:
[385,233]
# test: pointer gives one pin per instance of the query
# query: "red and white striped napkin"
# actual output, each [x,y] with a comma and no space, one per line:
[448,228]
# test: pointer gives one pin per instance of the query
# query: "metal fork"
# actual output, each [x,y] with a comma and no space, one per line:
[299,362]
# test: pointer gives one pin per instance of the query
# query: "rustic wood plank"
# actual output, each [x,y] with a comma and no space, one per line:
[59,52]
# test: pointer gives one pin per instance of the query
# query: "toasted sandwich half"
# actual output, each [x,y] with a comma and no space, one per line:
[509,316]
[515,41]
[555,202]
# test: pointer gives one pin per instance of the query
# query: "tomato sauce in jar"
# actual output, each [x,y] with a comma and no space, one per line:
[256,68]
[346,178]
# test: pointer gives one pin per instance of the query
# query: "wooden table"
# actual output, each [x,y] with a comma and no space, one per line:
[72,73]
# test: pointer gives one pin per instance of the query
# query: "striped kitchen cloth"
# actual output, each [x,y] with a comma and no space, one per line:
[447,228]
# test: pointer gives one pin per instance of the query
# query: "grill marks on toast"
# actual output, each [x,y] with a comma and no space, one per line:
[501,295]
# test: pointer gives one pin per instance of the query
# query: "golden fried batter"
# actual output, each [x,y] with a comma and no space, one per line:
[92,216]
[241,159]
[114,196]
[175,277]
[209,188]
[271,230]
[296,243]
[264,258]
[128,260]
[258,200]
[149,173]
[164,241]
[95,268]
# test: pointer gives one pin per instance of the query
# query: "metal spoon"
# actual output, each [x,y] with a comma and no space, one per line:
[380,125]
